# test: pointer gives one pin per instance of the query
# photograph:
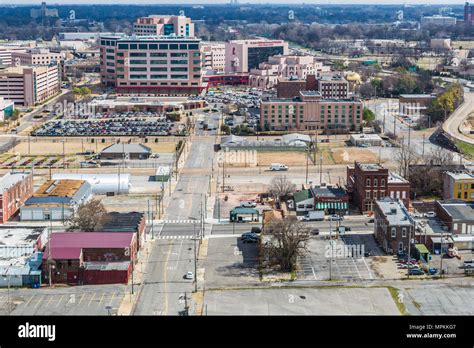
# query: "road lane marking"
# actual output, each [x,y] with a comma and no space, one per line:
[93,294]
[50,298]
[165,276]
[60,300]
[103,294]
[82,297]
[179,254]
[31,298]
[39,301]
[111,299]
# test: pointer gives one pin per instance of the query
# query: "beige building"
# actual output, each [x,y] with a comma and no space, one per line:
[333,86]
[292,67]
[213,54]
[36,56]
[29,85]
[311,112]
[151,65]
[164,25]
[241,56]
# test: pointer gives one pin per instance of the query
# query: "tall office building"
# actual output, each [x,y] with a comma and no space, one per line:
[241,56]
[151,65]
[43,12]
[164,26]
[30,85]
[468,13]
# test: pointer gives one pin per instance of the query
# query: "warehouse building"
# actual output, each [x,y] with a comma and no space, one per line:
[367,139]
[56,200]
[125,151]
[20,255]
[101,184]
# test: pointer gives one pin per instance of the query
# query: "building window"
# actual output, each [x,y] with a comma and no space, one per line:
[376,182]
[394,232]
[404,232]
[367,182]
[367,194]
[382,182]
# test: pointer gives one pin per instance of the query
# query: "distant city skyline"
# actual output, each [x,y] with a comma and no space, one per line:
[241,2]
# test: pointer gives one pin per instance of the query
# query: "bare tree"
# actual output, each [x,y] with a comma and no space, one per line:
[289,238]
[281,187]
[88,216]
[405,157]
[439,156]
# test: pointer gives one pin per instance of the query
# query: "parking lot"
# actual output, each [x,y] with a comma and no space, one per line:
[107,127]
[160,117]
[288,301]
[347,255]
[230,262]
[85,300]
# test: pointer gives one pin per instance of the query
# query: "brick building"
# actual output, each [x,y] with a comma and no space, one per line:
[72,253]
[393,225]
[311,112]
[15,189]
[333,86]
[367,183]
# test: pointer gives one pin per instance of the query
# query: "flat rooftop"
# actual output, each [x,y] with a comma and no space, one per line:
[10,179]
[395,213]
[417,96]
[19,236]
[366,137]
[459,210]
[459,175]
[370,166]
[59,188]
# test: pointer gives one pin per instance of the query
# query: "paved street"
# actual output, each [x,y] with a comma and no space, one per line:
[451,126]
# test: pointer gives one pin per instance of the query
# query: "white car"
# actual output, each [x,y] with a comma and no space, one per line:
[189,275]
[430,214]
[248,204]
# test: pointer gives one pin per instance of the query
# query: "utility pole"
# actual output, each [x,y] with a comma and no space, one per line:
[321,169]
[423,146]
[195,264]
[49,250]
[394,126]
[307,162]
[223,176]
[409,255]
[330,244]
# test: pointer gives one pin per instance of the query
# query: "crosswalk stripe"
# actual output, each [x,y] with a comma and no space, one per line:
[181,221]
[176,237]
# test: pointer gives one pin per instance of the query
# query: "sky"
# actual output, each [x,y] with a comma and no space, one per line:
[204,2]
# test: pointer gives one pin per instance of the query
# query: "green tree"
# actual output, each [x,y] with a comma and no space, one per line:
[369,116]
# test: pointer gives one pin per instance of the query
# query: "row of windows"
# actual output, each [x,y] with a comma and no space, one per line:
[146,46]
[466,186]
[157,76]
[155,69]
[156,84]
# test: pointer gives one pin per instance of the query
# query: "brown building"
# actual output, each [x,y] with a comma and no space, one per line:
[290,88]
[393,225]
[367,183]
[125,151]
[15,189]
[311,112]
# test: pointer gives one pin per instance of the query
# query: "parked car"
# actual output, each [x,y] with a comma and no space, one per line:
[416,271]
[249,235]
[248,204]
[278,166]
[336,217]
[469,264]
[430,214]
[255,229]
[189,275]
[315,231]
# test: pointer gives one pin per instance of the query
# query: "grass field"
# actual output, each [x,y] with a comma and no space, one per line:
[467,149]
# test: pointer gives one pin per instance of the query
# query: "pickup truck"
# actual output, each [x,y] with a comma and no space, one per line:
[469,264]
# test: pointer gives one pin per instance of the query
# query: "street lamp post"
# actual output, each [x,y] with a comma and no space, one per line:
[330,244]
[7,278]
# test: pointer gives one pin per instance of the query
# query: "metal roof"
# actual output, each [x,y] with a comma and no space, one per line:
[302,195]
[126,148]
[69,245]
[59,188]
[122,222]
[459,210]
[296,137]
[395,212]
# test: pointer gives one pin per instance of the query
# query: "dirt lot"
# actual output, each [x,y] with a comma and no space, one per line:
[349,155]
[290,158]
[386,267]
[73,146]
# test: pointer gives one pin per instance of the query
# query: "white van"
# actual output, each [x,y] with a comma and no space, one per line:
[278,166]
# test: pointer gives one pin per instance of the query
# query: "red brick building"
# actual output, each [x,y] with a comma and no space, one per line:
[367,183]
[74,254]
[15,189]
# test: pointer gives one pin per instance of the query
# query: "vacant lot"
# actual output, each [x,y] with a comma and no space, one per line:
[351,154]
[73,146]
